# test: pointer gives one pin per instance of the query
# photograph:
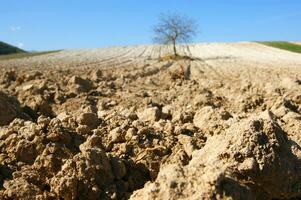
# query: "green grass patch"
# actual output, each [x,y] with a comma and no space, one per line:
[284,46]
[25,55]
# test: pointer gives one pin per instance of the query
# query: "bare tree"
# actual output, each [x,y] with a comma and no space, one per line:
[174,29]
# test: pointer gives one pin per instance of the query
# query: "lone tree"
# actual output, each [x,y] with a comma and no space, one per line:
[174,29]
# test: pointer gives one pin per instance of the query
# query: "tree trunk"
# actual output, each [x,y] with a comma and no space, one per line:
[174,48]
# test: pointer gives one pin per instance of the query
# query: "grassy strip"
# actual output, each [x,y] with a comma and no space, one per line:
[25,55]
[284,45]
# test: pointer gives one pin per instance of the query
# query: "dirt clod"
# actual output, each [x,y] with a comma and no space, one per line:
[119,123]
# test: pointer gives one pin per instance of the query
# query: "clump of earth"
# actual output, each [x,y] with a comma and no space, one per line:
[143,128]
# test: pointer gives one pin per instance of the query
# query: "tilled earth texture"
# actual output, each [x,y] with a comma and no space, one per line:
[130,123]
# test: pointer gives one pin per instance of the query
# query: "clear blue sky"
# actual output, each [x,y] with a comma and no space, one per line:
[60,24]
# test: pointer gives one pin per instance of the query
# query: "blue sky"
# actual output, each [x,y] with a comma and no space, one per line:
[60,24]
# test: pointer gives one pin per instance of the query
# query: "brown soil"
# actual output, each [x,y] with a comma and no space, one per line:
[120,123]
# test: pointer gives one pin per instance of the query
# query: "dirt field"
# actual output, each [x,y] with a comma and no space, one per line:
[123,123]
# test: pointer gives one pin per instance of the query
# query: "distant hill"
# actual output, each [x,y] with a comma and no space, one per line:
[9,49]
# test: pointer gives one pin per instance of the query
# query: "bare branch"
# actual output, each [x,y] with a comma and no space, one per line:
[174,29]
